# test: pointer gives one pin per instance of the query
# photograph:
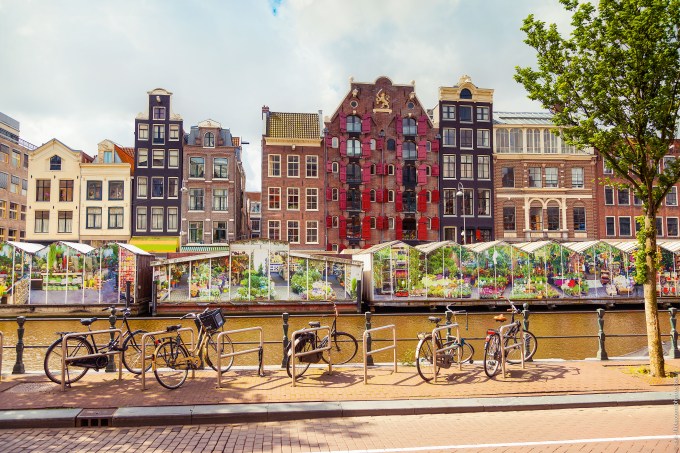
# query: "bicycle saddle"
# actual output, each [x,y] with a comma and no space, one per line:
[314,324]
[173,328]
[434,319]
[87,321]
[500,318]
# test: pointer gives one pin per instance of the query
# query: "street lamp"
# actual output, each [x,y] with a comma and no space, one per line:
[460,194]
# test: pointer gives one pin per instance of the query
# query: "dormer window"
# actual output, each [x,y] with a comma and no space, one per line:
[209,140]
[55,163]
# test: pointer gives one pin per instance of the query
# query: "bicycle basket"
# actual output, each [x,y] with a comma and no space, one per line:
[212,319]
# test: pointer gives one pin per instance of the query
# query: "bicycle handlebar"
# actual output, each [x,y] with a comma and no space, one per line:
[194,315]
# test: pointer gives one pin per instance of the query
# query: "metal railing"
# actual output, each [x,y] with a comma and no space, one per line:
[294,355]
[519,345]
[221,355]
[154,336]
[65,358]
[368,353]
[436,341]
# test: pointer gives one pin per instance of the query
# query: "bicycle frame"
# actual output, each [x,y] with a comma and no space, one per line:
[317,348]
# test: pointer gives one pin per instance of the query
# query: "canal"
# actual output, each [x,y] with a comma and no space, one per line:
[561,334]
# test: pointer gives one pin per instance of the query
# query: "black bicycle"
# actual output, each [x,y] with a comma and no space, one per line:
[492,344]
[343,347]
[130,344]
[452,348]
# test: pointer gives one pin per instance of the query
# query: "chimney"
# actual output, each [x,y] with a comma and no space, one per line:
[321,125]
[265,119]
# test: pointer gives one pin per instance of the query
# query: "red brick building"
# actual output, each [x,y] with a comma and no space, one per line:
[619,207]
[382,168]
[293,180]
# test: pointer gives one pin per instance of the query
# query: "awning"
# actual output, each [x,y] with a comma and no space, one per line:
[156,244]
[204,248]
[579,247]
[27,247]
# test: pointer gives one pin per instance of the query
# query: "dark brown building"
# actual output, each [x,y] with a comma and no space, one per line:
[213,184]
[382,168]
[545,188]
[293,179]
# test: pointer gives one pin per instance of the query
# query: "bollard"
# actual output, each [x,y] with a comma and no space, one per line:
[673,353]
[525,327]
[286,341]
[128,290]
[111,365]
[601,352]
[19,365]
[369,359]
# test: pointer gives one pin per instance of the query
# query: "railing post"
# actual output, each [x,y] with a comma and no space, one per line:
[601,352]
[286,341]
[525,327]
[111,366]
[369,358]
[674,353]
[449,316]
[19,365]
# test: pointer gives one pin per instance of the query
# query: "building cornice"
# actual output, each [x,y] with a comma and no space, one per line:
[274,141]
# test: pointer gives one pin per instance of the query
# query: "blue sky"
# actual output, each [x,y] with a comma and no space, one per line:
[80,70]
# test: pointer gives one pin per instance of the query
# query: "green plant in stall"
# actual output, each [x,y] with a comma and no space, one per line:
[301,280]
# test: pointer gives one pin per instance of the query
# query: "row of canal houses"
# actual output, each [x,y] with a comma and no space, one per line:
[380,167]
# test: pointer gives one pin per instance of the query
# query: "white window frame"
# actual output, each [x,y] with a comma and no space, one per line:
[271,160]
[605,226]
[311,225]
[311,193]
[314,161]
[290,160]
[269,193]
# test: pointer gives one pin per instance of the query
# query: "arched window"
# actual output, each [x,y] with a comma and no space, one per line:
[372,195]
[353,174]
[428,146]
[335,143]
[372,169]
[209,140]
[391,146]
[465,94]
[428,170]
[334,167]
[553,216]
[353,123]
[334,194]
[410,126]
[410,175]
[410,151]
[335,221]
[409,200]
[390,196]
[516,142]
[533,141]
[353,148]
[550,142]
[373,223]
[429,197]
[390,169]
[373,144]
[55,163]
[536,217]
[502,141]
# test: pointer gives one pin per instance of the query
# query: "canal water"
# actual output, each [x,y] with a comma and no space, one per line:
[561,335]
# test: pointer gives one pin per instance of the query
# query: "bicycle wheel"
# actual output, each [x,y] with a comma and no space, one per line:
[424,355]
[466,353]
[530,344]
[212,352]
[75,347]
[170,364]
[132,352]
[303,345]
[343,348]
[492,355]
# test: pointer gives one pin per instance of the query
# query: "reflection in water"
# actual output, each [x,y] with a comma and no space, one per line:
[553,329]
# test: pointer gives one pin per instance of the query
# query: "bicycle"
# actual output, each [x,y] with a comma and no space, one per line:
[129,344]
[425,354]
[343,347]
[493,349]
[171,360]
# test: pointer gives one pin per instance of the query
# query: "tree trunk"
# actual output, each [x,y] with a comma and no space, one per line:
[656,361]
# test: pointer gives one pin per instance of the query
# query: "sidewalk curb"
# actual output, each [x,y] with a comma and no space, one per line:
[267,412]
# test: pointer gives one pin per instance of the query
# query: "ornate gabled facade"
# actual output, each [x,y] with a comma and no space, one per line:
[463,118]
[156,204]
[54,193]
[545,188]
[382,168]
[293,179]
[212,188]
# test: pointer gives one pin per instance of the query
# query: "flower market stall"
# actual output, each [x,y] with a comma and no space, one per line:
[667,277]
[16,260]
[493,263]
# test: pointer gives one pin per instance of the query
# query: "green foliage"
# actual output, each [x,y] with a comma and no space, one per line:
[300,281]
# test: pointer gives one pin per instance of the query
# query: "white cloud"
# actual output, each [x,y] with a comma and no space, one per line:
[80,70]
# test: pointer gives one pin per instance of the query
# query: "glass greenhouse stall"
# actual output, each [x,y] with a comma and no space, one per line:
[16,259]
[74,273]
[255,271]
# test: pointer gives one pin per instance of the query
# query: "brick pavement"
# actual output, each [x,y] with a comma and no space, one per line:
[103,390]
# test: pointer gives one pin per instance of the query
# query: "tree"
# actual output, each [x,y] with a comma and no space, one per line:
[614,84]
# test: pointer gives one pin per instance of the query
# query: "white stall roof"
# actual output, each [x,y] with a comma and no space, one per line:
[28,247]
[375,248]
[82,248]
[579,247]
[481,247]
[671,246]
[532,247]
[624,246]
[134,249]
[432,246]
